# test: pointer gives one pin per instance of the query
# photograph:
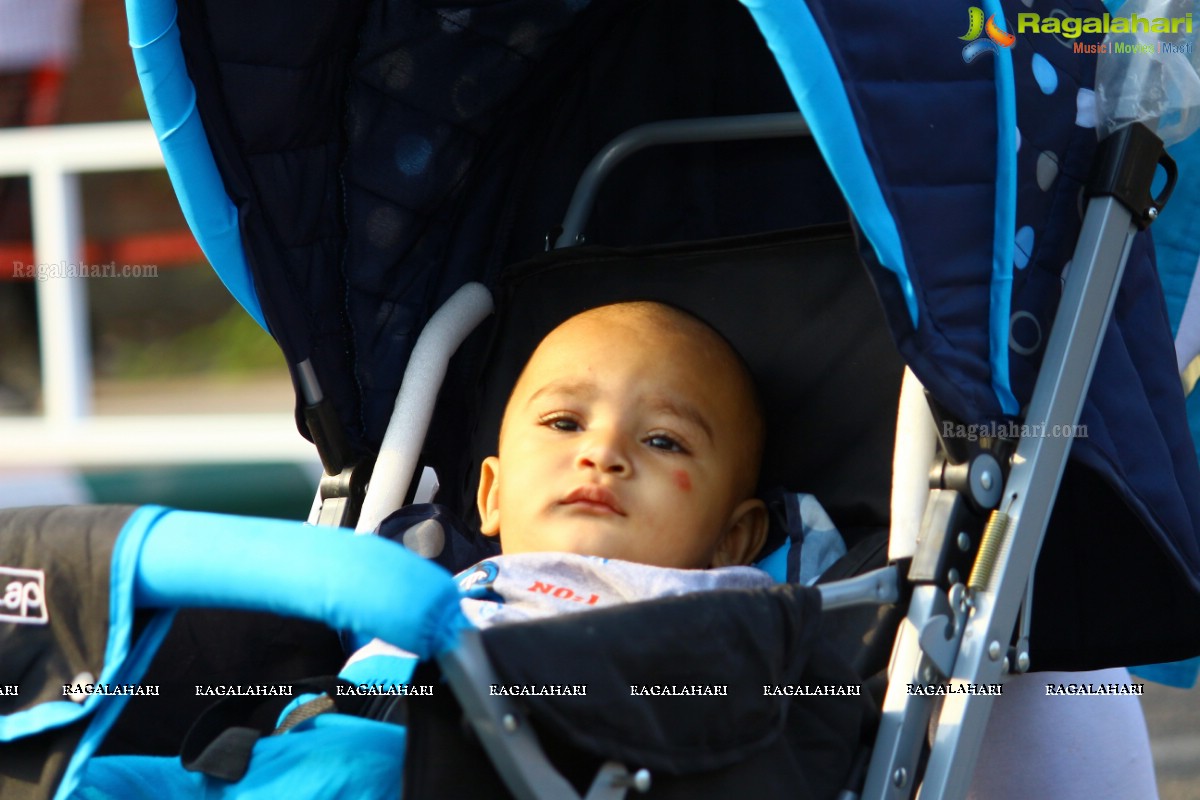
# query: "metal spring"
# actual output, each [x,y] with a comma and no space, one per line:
[989,549]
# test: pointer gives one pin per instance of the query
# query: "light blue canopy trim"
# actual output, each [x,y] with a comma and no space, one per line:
[808,66]
[1005,218]
[1180,674]
[369,586]
[171,102]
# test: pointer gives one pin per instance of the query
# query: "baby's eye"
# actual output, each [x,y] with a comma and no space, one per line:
[562,422]
[663,442]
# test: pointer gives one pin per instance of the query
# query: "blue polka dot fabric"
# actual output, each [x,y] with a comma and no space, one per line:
[936,124]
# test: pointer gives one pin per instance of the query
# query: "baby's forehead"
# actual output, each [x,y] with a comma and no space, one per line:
[656,327]
[598,344]
[672,349]
[643,314]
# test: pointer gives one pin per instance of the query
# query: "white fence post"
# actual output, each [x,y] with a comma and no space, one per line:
[61,294]
[67,433]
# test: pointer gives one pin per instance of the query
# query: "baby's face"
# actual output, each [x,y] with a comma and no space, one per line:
[626,437]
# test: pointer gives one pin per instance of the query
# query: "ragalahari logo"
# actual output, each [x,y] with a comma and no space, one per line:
[996,38]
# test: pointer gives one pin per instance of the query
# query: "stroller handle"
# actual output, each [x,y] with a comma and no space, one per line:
[676,131]
[364,584]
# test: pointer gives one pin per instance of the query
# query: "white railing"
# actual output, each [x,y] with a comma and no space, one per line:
[67,433]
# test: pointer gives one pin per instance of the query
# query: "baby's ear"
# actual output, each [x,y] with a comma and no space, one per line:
[488,498]
[744,536]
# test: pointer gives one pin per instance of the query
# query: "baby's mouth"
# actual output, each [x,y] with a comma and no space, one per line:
[592,498]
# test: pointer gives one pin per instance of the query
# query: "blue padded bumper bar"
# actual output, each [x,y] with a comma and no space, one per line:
[362,584]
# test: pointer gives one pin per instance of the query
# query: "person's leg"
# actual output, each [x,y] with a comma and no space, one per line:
[1065,747]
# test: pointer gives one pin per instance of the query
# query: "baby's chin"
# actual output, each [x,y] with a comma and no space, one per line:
[593,540]
[586,537]
[584,540]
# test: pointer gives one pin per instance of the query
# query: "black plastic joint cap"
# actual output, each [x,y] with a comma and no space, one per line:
[1124,168]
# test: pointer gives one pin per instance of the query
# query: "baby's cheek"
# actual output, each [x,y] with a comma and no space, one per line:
[683,480]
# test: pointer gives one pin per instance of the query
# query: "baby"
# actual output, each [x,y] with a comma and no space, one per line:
[628,460]
[633,433]
[627,465]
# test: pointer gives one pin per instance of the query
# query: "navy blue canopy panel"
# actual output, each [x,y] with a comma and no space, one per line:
[963,164]
[380,153]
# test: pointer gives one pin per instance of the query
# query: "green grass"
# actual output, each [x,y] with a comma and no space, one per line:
[231,345]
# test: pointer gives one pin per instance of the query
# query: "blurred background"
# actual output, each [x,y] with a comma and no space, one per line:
[175,386]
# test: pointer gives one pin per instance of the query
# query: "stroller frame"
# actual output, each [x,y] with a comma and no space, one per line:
[984,613]
[1001,583]
[955,630]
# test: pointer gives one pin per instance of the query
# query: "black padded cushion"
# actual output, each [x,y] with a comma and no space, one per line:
[745,742]
[797,306]
[64,556]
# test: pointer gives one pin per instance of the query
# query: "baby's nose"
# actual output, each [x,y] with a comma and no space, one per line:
[605,453]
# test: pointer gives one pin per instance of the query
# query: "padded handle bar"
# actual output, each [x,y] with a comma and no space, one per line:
[400,450]
[678,131]
[364,584]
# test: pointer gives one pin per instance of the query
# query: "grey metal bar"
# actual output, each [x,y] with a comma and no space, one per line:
[310,387]
[683,131]
[871,588]
[982,643]
[501,727]
[905,719]
[509,740]
[1058,396]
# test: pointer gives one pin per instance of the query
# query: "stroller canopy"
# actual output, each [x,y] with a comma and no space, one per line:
[348,165]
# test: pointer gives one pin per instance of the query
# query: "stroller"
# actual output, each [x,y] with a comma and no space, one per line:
[369,178]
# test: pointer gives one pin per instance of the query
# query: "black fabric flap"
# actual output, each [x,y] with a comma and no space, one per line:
[733,642]
[55,568]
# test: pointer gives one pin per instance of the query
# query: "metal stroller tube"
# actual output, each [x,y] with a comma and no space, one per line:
[505,733]
[409,424]
[1075,338]
[1084,311]
[682,131]
[872,588]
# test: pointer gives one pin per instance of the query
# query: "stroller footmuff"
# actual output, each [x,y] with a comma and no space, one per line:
[716,708]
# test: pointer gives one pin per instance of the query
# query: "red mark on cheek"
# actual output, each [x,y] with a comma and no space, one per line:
[683,480]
